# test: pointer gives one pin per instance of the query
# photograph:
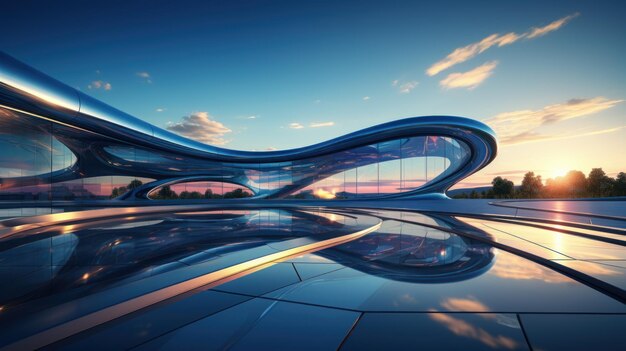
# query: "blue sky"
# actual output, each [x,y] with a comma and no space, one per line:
[259,75]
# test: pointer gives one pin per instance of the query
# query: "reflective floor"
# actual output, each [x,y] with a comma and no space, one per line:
[187,277]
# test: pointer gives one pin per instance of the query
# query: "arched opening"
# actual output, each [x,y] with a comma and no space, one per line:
[392,167]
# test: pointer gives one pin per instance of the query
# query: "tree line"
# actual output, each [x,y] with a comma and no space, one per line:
[166,193]
[573,185]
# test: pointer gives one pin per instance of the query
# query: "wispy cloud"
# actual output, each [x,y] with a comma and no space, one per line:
[470,79]
[511,172]
[160,109]
[404,87]
[467,52]
[522,126]
[99,84]
[321,124]
[365,98]
[248,117]
[146,76]
[297,125]
[201,127]
[540,31]
[534,136]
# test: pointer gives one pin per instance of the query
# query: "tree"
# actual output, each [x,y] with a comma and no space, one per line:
[473,195]
[195,195]
[598,183]
[531,185]
[554,187]
[502,187]
[135,183]
[619,188]
[208,194]
[575,183]
[236,194]
[118,192]
[166,193]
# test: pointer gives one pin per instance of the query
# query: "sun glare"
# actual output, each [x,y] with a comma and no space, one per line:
[325,194]
[559,172]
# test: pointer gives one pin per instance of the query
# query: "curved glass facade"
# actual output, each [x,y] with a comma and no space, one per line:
[392,167]
[88,150]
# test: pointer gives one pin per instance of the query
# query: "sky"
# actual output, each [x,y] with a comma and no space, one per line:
[548,77]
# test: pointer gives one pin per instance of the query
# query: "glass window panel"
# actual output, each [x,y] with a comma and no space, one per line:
[26,159]
[413,163]
[350,187]
[367,180]
[389,167]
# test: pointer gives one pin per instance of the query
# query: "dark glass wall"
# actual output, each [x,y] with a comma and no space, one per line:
[31,153]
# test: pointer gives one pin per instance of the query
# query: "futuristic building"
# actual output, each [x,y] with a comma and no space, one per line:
[89,262]
[61,144]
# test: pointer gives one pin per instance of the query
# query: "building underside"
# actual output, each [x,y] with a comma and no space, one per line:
[89,259]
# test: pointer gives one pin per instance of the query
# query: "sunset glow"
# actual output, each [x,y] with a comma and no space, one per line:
[325,194]
[558,173]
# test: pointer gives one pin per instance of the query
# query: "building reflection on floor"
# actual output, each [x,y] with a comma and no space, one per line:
[410,282]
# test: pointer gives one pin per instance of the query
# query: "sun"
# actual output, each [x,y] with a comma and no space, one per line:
[558,172]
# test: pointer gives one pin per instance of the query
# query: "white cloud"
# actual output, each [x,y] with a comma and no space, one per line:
[395,82]
[99,84]
[540,31]
[470,79]
[405,88]
[248,117]
[467,52]
[321,124]
[296,125]
[522,126]
[201,127]
[146,76]
[160,109]
[365,98]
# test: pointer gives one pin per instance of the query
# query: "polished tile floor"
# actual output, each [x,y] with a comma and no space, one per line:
[311,279]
